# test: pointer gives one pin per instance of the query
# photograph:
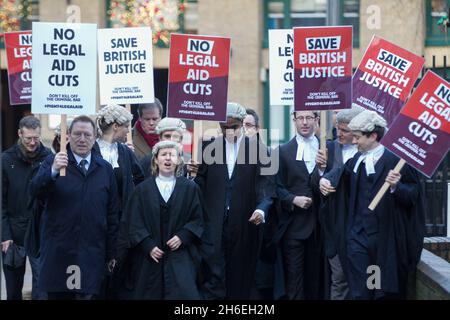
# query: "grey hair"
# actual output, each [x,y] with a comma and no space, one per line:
[346,115]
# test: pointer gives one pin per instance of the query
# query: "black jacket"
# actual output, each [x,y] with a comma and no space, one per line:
[246,191]
[79,223]
[294,180]
[17,172]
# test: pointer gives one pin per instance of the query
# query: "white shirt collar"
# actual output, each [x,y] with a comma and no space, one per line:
[165,185]
[104,143]
[165,179]
[79,158]
[307,151]
[300,138]
[376,152]
[370,158]
[348,151]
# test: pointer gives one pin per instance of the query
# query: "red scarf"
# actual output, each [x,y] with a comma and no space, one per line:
[151,138]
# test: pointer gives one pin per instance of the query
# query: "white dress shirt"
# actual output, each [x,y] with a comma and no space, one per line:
[165,186]
[348,151]
[307,151]
[87,158]
[232,151]
[109,152]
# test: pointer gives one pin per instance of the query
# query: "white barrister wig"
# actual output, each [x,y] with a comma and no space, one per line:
[165,145]
[236,111]
[114,113]
[366,121]
[170,124]
[346,115]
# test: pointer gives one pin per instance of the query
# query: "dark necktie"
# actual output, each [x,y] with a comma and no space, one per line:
[82,165]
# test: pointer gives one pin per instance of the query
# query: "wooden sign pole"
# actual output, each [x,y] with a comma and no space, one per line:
[323,130]
[62,172]
[63,141]
[195,139]
[129,134]
[385,186]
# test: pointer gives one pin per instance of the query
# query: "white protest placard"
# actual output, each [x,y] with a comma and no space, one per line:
[281,67]
[125,60]
[64,68]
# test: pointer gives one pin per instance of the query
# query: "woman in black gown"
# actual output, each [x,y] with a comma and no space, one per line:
[164,232]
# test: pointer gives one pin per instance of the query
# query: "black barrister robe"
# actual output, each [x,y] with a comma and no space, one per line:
[400,216]
[131,175]
[152,222]
[230,272]
[332,226]
[130,171]
[128,175]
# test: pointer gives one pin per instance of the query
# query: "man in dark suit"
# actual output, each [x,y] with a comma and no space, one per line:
[337,154]
[80,219]
[388,240]
[298,216]
[236,200]
[19,164]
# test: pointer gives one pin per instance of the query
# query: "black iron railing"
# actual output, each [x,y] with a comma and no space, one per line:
[436,187]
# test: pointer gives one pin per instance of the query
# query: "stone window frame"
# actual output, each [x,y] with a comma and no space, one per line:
[434,35]
[286,23]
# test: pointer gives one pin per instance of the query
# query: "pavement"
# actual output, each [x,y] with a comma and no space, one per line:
[26,292]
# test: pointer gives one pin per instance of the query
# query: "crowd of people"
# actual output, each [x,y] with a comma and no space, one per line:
[142,220]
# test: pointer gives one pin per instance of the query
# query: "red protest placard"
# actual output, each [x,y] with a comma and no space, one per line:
[198,77]
[421,133]
[18,53]
[385,77]
[323,68]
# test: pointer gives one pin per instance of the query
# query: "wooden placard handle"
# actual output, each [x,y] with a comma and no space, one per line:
[323,130]
[62,171]
[195,139]
[385,186]
[129,134]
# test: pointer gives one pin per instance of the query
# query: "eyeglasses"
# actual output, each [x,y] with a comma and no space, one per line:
[249,125]
[234,127]
[307,118]
[29,139]
[78,135]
